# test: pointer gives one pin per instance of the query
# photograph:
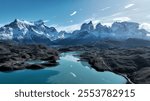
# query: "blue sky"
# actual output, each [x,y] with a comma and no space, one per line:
[69,14]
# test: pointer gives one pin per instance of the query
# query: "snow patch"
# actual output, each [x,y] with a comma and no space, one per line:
[106,8]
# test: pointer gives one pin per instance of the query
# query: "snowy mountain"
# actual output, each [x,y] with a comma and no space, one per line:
[29,32]
[118,31]
[37,32]
[87,26]
[125,30]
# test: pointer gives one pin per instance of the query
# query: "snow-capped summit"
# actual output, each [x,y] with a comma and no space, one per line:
[124,26]
[21,30]
[37,32]
[19,24]
[101,28]
[52,29]
[125,30]
[118,31]
[39,22]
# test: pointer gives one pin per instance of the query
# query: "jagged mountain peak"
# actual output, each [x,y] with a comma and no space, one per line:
[38,32]
[91,23]
[53,29]
[19,24]
[87,26]
[99,25]
[28,31]
[39,22]
[24,23]
[18,21]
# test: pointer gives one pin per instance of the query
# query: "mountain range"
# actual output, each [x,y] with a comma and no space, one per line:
[37,32]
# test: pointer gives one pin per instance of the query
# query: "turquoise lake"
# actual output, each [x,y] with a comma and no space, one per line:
[69,71]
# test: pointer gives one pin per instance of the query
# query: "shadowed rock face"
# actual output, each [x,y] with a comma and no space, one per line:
[133,62]
[13,57]
[141,76]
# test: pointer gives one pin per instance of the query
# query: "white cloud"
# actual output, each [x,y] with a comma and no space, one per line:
[128,6]
[94,21]
[73,27]
[69,28]
[121,19]
[107,24]
[88,20]
[116,14]
[103,9]
[72,14]
[145,26]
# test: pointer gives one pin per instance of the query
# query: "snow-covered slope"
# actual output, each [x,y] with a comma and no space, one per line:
[38,32]
[125,30]
[20,30]
[118,31]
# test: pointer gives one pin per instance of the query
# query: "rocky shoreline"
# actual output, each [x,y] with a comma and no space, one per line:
[14,57]
[132,63]
[135,63]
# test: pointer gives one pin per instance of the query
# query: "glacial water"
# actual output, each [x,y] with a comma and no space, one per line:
[69,71]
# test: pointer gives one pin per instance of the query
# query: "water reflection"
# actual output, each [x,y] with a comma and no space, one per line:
[69,71]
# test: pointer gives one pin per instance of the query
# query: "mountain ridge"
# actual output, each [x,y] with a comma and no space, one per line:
[37,32]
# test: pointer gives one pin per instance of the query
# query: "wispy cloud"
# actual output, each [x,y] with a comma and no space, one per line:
[128,6]
[94,21]
[121,19]
[116,14]
[89,19]
[107,24]
[103,9]
[45,21]
[72,14]
[69,28]
[99,20]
